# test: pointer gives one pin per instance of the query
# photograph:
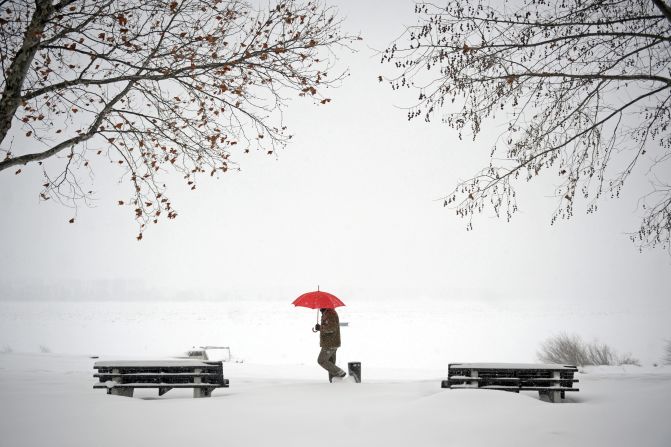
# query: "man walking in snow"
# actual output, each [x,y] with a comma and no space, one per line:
[329,341]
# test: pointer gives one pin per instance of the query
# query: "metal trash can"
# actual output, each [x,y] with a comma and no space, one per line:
[354,370]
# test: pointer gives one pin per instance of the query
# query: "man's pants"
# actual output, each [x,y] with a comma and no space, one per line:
[327,359]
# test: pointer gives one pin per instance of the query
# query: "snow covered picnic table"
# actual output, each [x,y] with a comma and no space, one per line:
[551,381]
[123,376]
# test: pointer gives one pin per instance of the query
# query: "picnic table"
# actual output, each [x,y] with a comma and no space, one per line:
[122,377]
[551,381]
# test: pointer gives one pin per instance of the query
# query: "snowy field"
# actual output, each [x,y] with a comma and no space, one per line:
[279,396]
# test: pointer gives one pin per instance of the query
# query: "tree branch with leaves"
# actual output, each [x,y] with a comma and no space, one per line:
[154,86]
[584,86]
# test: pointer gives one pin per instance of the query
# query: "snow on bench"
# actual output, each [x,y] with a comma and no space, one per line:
[122,377]
[552,381]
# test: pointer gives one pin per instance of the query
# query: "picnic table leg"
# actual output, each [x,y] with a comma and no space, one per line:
[126,392]
[163,389]
[555,396]
[200,392]
[474,383]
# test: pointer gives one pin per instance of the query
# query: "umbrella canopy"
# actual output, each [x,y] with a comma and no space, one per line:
[318,300]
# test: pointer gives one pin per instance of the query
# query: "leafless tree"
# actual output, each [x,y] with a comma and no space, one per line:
[667,353]
[154,85]
[584,86]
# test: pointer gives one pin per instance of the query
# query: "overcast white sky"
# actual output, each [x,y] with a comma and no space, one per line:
[351,204]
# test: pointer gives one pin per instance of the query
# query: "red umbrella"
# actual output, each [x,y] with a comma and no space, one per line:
[318,300]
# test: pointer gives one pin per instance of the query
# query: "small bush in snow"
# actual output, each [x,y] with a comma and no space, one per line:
[599,354]
[7,350]
[627,359]
[563,348]
[45,349]
[572,350]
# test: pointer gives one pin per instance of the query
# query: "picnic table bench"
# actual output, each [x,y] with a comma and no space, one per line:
[122,377]
[551,381]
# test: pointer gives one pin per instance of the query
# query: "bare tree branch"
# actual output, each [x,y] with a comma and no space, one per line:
[154,86]
[584,85]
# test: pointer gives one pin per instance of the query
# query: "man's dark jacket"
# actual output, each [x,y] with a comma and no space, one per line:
[329,336]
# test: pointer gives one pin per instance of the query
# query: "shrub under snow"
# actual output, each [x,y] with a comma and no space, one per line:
[572,350]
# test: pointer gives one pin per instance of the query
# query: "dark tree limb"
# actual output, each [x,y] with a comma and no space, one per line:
[664,8]
[18,69]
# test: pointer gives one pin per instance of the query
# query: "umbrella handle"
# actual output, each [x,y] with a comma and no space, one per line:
[313,329]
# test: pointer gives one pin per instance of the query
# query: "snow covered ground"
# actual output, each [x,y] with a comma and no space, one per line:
[278,395]
[47,399]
